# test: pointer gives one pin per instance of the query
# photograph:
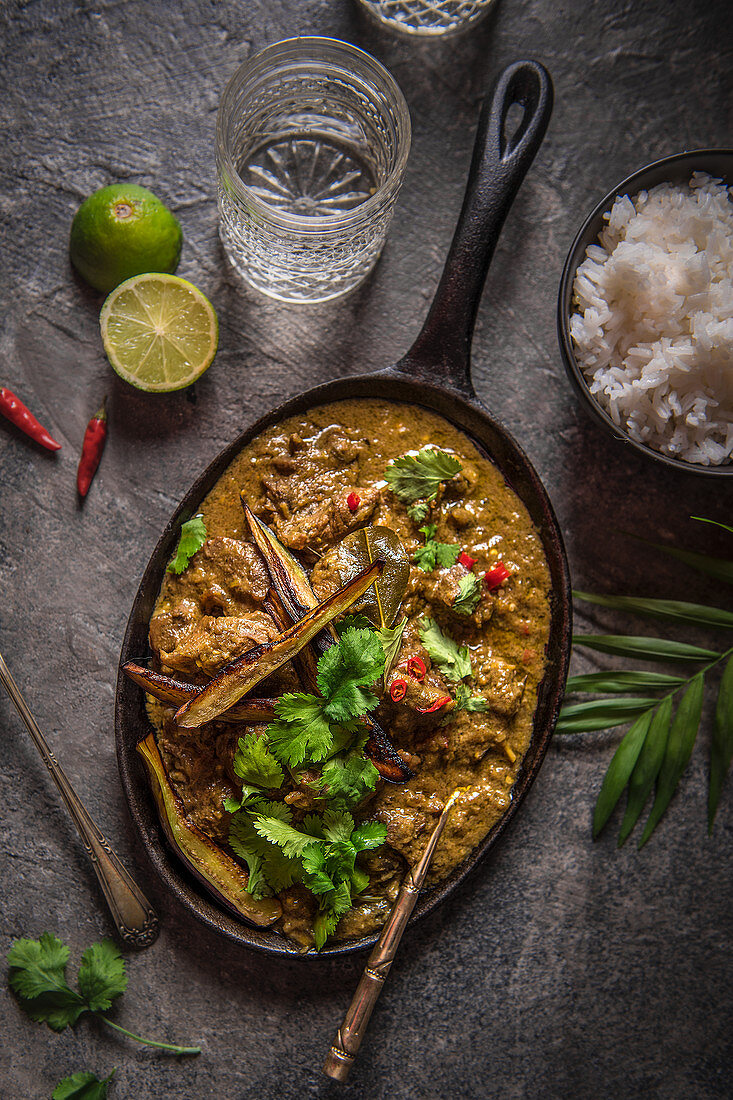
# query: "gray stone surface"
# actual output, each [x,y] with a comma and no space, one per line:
[563,969]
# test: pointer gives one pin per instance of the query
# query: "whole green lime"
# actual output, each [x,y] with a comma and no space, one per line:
[121,231]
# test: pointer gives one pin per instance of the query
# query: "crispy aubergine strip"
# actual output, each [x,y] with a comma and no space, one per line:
[305,663]
[176,693]
[240,676]
[219,873]
[295,597]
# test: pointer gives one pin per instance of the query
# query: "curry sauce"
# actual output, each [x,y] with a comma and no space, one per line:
[313,479]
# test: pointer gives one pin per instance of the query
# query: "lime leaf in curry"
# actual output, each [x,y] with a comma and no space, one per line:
[414,477]
[192,538]
[381,602]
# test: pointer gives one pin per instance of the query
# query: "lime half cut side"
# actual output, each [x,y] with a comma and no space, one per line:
[160,332]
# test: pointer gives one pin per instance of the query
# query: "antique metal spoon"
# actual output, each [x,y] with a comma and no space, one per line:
[133,914]
[340,1057]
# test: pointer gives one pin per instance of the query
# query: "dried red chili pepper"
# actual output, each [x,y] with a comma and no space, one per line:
[353,502]
[416,668]
[495,577]
[441,702]
[23,418]
[91,449]
[398,690]
[466,561]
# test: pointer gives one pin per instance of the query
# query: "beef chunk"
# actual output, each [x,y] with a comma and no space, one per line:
[325,523]
[503,685]
[213,642]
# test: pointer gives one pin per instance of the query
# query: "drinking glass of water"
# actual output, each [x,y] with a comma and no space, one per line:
[312,140]
[427,17]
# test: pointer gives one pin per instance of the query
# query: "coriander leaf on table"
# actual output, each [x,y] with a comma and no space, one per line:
[101,975]
[82,1086]
[434,554]
[193,537]
[37,975]
[469,594]
[418,477]
[345,670]
[453,661]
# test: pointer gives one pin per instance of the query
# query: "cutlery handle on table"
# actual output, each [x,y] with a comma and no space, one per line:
[134,916]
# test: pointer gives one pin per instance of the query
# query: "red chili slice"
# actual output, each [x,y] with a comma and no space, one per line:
[353,501]
[398,690]
[416,668]
[495,577]
[466,561]
[441,702]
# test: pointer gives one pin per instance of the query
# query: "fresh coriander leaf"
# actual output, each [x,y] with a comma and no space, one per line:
[452,661]
[336,905]
[418,511]
[38,976]
[358,622]
[276,831]
[348,779]
[466,701]
[301,731]
[38,966]
[619,771]
[193,537]
[469,594]
[345,670]
[391,639]
[270,870]
[435,554]
[102,975]
[255,764]
[315,875]
[338,826]
[82,1086]
[721,748]
[418,477]
[370,834]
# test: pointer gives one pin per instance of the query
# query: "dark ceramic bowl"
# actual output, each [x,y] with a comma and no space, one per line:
[674,169]
[435,374]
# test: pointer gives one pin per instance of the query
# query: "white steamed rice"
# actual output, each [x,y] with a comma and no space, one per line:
[653,327]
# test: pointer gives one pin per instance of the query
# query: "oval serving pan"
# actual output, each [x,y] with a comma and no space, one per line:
[435,374]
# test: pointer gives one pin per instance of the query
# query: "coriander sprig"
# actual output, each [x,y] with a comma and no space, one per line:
[38,977]
[656,749]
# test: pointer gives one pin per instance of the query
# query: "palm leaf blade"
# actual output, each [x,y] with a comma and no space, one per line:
[679,748]
[613,682]
[619,771]
[677,610]
[721,749]
[646,768]
[642,647]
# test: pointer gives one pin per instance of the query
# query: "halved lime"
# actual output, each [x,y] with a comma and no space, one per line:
[160,332]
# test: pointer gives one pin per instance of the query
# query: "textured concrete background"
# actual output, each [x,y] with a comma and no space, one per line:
[564,969]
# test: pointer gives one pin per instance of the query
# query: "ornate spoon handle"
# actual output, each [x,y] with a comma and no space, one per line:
[133,914]
[340,1057]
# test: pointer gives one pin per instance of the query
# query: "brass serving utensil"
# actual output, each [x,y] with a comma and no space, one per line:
[134,916]
[340,1057]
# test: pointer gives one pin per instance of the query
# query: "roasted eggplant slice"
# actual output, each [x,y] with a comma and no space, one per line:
[288,575]
[176,693]
[219,873]
[239,677]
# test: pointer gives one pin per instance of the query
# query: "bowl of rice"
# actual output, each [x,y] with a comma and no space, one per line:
[645,311]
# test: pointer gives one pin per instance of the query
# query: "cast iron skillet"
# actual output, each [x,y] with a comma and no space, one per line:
[435,374]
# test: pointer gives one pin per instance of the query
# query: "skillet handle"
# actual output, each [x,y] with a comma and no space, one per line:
[442,351]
